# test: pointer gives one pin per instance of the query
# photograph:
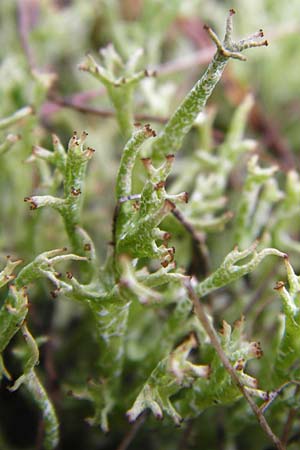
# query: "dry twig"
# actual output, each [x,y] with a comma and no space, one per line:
[212,334]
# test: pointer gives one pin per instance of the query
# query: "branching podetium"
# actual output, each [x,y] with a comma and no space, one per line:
[148,341]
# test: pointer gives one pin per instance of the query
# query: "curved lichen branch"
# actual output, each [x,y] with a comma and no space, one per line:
[6,275]
[12,316]
[120,79]
[171,375]
[43,267]
[129,155]
[231,49]
[214,339]
[170,139]
[289,343]
[30,380]
[72,165]
[137,231]
[232,268]
[17,116]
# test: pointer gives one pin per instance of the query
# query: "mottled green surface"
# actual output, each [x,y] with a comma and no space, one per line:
[110,234]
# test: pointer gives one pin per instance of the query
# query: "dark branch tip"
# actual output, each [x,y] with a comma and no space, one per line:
[33,205]
[170,157]
[149,131]
[160,185]
[279,285]
[185,197]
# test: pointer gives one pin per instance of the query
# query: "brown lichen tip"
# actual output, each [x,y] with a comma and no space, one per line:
[170,157]
[136,205]
[137,124]
[279,285]
[54,293]
[232,12]
[164,263]
[150,73]
[69,275]
[185,197]
[240,364]
[167,236]
[159,185]
[75,191]
[257,350]
[33,205]
[87,247]
[206,27]
[146,162]
[89,152]
[149,131]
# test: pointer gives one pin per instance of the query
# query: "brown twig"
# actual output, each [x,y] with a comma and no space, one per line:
[184,63]
[277,392]
[260,290]
[198,241]
[181,64]
[130,435]
[259,121]
[288,426]
[102,112]
[212,334]
[184,440]
[27,13]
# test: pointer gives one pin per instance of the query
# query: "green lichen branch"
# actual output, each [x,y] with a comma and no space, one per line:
[43,266]
[232,371]
[120,80]
[29,379]
[289,343]
[220,388]
[171,375]
[12,315]
[72,166]
[16,117]
[233,268]
[251,217]
[128,159]
[137,226]
[170,139]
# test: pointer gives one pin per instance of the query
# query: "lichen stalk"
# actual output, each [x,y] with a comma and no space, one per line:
[180,123]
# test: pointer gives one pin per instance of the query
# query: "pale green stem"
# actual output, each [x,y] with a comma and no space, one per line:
[16,117]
